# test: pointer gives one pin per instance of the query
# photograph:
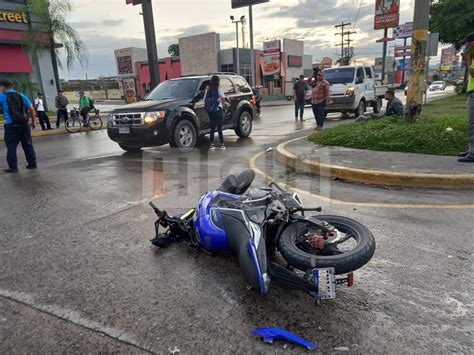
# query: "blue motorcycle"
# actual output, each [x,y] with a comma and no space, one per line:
[274,241]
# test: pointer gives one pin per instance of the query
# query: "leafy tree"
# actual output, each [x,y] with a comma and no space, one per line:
[173,50]
[24,85]
[452,19]
[51,18]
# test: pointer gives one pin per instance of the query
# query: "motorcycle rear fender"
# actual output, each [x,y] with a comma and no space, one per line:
[248,243]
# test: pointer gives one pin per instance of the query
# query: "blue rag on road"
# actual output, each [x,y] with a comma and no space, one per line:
[273,333]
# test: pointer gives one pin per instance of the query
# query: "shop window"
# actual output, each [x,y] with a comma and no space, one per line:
[227,68]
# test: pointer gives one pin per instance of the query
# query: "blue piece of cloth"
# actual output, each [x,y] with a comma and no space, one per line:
[3,103]
[273,333]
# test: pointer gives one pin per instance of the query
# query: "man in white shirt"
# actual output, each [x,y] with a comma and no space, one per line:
[41,113]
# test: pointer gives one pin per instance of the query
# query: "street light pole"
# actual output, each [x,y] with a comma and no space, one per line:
[252,53]
[237,38]
[149,24]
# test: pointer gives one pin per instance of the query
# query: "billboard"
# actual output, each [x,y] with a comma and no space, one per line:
[242,3]
[448,57]
[295,61]
[124,65]
[403,31]
[271,57]
[387,14]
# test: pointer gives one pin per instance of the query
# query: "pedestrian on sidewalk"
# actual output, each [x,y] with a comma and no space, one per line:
[468,57]
[320,98]
[17,125]
[42,116]
[61,103]
[299,93]
[214,105]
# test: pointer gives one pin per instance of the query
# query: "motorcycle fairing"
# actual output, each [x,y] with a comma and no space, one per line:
[245,239]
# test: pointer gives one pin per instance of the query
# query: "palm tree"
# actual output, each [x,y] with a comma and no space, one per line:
[24,85]
[51,17]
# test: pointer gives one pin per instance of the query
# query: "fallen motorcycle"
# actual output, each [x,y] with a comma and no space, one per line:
[274,240]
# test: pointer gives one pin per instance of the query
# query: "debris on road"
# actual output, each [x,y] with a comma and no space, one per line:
[274,333]
[174,351]
[341,348]
[269,150]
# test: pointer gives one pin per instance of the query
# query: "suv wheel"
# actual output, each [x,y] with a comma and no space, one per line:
[360,109]
[244,125]
[184,135]
[130,149]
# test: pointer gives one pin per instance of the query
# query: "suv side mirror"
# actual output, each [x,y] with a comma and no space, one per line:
[199,96]
[360,80]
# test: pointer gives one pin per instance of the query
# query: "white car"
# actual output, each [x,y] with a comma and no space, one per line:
[438,85]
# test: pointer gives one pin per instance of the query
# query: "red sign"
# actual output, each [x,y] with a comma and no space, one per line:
[125,65]
[402,54]
[242,3]
[387,14]
[295,61]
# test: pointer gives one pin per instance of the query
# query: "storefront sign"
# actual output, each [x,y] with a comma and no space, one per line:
[241,3]
[13,17]
[125,65]
[272,57]
[295,61]
[387,14]
[403,31]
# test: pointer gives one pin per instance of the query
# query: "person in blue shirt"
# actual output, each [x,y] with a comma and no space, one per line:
[17,125]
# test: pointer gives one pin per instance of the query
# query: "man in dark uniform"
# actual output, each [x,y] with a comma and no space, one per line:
[17,125]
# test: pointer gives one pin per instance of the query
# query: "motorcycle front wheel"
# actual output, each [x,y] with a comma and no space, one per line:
[351,248]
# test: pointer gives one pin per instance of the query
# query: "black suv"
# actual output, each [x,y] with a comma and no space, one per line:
[174,113]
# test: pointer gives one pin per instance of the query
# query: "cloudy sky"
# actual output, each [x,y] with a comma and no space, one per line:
[106,25]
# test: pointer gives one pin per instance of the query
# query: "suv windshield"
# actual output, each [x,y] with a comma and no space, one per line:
[339,76]
[174,89]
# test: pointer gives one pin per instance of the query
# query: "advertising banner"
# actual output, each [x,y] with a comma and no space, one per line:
[403,31]
[242,3]
[387,14]
[448,56]
[124,65]
[271,57]
[295,61]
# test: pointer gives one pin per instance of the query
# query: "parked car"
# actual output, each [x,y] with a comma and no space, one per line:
[353,89]
[173,113]
[406,89]
[438,85]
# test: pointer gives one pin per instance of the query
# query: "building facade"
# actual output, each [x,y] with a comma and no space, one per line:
[16,63]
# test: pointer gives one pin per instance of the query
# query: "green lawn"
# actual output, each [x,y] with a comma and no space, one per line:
[432,134]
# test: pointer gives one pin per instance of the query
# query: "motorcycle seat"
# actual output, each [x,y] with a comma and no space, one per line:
[237,185]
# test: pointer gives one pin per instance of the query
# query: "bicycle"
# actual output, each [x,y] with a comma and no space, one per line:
[75,123]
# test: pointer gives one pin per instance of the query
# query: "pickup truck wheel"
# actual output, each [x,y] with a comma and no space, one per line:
[244,125]
[130,149]
[184,135]
[360,109]
[377,105]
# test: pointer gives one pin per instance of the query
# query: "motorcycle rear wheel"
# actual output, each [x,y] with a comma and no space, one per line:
[303,256]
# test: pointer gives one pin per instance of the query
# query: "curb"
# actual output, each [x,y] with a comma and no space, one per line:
[56,132]
[373,177]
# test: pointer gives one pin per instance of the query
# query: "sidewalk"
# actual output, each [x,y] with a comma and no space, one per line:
[378,168]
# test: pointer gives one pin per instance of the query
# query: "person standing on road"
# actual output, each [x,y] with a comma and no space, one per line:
[214,105]
[320,98]
[61,103]
[17,126]
[42,116]
[299,95]
[84,106]
[468,56]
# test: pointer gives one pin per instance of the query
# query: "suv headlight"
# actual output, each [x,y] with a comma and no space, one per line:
[350,91]
[151,117]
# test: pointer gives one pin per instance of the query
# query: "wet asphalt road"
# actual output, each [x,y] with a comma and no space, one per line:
[78,274]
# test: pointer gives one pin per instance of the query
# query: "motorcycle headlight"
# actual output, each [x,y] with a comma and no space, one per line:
[152,117]
[350,91]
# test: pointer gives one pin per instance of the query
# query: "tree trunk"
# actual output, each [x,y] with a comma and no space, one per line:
[54,61]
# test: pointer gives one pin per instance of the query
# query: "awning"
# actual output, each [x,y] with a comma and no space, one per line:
[175,70]
[14,59]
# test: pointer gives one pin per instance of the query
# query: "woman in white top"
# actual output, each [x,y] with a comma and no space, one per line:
[214,104]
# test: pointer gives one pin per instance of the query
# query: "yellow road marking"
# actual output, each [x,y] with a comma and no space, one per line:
[254,166]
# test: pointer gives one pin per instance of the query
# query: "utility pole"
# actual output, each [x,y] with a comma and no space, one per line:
[418,55]
[252,52]
[342,26]
[241,21]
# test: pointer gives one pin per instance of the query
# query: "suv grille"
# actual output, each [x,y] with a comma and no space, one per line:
[127,118]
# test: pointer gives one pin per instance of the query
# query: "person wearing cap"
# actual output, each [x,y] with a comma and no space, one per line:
[84,105]
[394,104]
[61,103]
[43,118]
[467,56]
[17,125]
